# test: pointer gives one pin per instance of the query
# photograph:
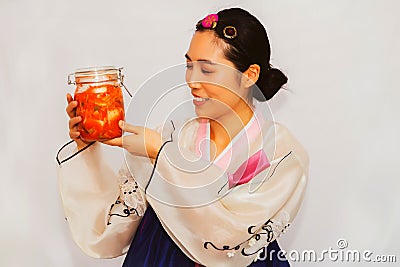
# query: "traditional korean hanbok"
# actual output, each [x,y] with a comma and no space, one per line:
[185,209]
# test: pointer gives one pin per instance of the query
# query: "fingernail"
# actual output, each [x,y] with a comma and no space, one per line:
[121,123]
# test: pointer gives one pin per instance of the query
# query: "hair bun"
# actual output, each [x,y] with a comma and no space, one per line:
[269,83]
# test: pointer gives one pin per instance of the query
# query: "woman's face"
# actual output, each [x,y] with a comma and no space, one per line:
[214,82]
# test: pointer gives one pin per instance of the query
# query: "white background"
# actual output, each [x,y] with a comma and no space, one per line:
[342,60]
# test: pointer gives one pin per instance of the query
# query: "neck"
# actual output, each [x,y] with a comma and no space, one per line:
[227,126]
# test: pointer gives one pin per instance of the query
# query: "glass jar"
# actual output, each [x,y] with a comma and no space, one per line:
[100,102]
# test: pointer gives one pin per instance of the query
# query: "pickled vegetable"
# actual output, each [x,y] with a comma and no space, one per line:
[101,107]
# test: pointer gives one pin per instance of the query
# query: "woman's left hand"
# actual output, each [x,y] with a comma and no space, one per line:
[143,141]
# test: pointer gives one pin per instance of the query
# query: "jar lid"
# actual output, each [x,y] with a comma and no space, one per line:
[96,70]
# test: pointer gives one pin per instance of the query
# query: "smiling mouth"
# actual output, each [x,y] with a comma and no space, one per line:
[200,99]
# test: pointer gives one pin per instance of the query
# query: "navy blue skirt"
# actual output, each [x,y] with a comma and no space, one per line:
[152,246]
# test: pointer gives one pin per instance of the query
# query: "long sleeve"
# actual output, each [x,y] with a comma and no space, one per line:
[101,218]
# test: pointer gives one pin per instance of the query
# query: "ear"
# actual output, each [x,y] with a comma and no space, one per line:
[251,75]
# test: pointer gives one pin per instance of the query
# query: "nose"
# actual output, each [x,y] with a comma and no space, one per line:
[194,84]
[193,79]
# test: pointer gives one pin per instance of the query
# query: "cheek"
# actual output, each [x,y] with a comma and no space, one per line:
[222,101]
[225,95]
[226,80]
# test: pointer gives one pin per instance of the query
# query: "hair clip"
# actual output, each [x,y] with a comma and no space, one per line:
[210,21]
[230,32]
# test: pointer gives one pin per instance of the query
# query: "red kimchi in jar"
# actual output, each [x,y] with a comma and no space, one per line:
[100,102]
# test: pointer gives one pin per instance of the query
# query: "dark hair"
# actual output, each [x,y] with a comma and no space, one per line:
[249,46]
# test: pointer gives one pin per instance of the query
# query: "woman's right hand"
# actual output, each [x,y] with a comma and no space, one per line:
[73,122]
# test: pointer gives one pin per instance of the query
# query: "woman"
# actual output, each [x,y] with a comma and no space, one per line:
[220,189]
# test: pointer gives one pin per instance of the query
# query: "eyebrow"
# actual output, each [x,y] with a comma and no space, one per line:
[202,60]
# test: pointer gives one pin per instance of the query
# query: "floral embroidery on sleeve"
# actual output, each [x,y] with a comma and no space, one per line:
[271,230]
[130,200]
[131,196]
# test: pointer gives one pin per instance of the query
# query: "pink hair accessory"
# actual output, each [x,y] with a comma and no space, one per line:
[210,21]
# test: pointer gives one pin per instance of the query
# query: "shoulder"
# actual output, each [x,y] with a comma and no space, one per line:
[286,142]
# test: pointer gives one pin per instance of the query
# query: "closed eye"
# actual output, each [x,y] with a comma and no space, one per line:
[206,71]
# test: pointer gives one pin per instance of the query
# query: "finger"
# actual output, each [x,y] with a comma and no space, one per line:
[69,98]
[74,121]
[130,128]
[113,142]
[74,135]
[71,108]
